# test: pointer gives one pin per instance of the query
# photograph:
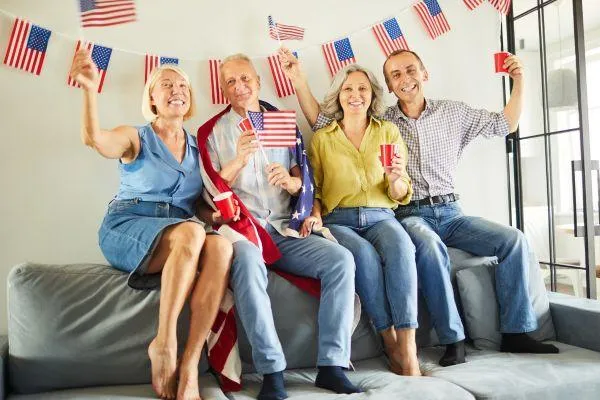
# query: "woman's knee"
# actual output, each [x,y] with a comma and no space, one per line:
[187,236]
[217,248]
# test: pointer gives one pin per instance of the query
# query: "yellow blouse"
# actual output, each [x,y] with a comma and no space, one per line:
[347,177]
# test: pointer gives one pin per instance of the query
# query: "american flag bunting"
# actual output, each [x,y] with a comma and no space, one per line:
[389,36]
[284,32]
[153,61]
[338,54]
[100,56]
[27,47]
[216,93]
[473,4]
[98,13]
[501,5]
[432,17]
[275,129]
[283,85]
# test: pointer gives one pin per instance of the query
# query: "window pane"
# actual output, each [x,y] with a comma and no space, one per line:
[528,49]
[520,6]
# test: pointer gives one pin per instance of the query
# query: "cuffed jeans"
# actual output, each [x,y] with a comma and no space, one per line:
[313,257]
[432,228]
[386,272]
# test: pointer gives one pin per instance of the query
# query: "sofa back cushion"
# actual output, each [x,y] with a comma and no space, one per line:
[81,325]
[480,306]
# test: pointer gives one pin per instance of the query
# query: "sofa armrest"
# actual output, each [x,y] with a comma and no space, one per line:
[576,320]
[3,366]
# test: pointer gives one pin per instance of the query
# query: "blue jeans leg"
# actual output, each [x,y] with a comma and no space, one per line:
[319,258]
[397,254]
[370,282]
[249,283]
[433,269]
[486,238]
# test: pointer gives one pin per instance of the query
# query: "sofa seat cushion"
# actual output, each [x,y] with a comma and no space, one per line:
[371,374]
[571,374]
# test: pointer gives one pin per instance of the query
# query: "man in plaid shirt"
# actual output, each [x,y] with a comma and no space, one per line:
[436,132]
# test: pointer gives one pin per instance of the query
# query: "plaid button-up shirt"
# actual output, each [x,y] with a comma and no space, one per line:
[436,140]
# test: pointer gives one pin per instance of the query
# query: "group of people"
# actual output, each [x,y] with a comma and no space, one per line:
[391,223]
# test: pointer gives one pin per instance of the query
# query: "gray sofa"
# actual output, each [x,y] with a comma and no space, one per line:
[78,332]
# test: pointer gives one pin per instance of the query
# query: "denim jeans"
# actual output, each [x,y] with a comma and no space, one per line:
[313,257]
[432,228]
[386,273]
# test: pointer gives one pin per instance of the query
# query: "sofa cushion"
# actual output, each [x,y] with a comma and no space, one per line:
[79,325]
[487,374]
[371,375]
[480,308]
[459,260]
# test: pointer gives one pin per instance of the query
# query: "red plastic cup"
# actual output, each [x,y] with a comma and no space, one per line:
[224,203]
[388,152]
[499,62]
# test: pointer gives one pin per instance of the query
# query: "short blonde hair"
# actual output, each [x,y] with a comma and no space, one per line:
[148,110]
[331,106]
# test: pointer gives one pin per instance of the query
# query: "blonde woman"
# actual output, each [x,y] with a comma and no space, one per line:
[355,199]
[148,229]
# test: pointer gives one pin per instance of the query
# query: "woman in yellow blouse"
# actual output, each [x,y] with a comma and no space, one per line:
[354,198]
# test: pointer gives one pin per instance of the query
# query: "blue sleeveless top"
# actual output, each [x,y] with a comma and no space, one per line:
[155,175]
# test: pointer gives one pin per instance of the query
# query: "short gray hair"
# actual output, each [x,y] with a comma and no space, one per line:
[235,57]
[331,106]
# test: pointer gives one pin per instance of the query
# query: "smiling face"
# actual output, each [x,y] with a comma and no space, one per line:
[405,75]
[240,84]
[356,94]
[170,95]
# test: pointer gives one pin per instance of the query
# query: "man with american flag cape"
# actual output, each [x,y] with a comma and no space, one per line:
[274,189]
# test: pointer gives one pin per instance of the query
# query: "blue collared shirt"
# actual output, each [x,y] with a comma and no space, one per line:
[268,204]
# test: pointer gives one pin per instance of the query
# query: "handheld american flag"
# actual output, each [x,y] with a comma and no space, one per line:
[304,201]
[97,13]
[283,85]
[100,56]
[279,31]
[432,17]
[216,93]
[501,5]
[338,54]
[153,62]
[27,47]
[389,36]
[472,4]
[275,129]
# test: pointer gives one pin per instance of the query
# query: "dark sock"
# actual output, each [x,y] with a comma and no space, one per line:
[455,354]
[273,387]
[523,343]
[334,379]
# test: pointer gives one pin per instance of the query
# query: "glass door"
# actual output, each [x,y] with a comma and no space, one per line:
[553,157]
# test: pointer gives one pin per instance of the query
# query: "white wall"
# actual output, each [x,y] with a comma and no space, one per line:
[55,190]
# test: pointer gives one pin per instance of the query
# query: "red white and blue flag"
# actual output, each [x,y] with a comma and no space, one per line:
[279,31]
[389,36]
[283,85]
[501,5]
[432,17]
[216,93]
[338,54]
[27,47]
[100,56]
[98,13]
[153,61]
[473,4]
[275,129]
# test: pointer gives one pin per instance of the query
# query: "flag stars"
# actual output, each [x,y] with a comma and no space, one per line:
[296,215]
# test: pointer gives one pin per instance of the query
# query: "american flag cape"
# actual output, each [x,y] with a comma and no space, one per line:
[223,354]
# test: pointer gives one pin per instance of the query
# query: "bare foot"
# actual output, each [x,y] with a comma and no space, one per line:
[164,369]
[188,385]
[410,365]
